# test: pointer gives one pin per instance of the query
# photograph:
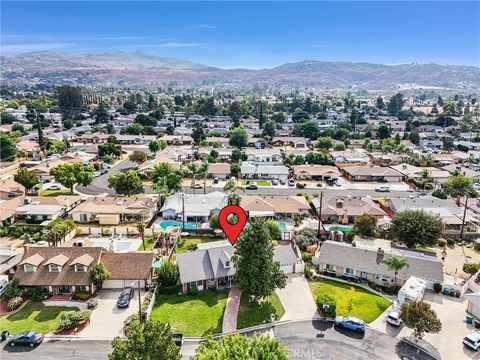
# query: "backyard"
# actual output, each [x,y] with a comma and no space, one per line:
[149,242]
[34,316]
[351,300]
[192,315]
[186,242]
[251,314]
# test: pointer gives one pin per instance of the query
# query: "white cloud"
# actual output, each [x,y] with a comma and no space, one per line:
[169,45]
[21,48]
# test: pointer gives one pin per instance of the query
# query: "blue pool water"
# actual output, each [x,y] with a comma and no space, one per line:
[120,246]
[157,263]
[166,224]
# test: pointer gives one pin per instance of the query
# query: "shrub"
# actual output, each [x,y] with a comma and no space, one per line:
[169,290]
[471,268]
[193,291]
[308,272]
[192,247]
[300,186]
[451,242]
[168,274]
[476,246]
[349,235]
[13,290]
[428,186]
[442,242]
[37,294]
[325,299]
[70,319]
[92,303]
[14,303]
[437,287]
[307,257]
[81,295]
[129,320]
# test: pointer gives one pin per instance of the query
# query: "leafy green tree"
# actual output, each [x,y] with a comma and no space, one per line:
[154,146]
[70,174]
[26,178]
[214,223]
[7,118]
[241,347]
[279,117]
[257,274]
[419,316]
[238,137]
[307,129]
[417,227]
[269,129]
[138,156]
[70,100]
[166,179]
[318,158]
[56,231]
[471,268]
[198,133]
[339,147]
[230,185]
[299,115]
[396,104]
[237,155]
[8,150]
[145,120]
[141,230]
[380,104]
[168,274]
[365,225]
[325,299]
[459,185]
[98,274]
[109,148]
[414,137]
[274,229]
[395,263]
[383,131]
[126,183]
[324,143]
[101,114]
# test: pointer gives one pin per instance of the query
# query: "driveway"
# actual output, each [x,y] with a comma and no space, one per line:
[297,299]
[448,342]
[106,321]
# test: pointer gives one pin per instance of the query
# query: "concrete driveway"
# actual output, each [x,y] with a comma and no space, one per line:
[106,321]
[297,299]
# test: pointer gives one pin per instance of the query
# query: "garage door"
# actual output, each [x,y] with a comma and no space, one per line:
[287,269]
[120,284]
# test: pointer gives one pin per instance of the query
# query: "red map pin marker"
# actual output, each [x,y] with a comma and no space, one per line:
[232,231]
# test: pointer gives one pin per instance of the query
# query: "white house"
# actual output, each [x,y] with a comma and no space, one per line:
[259,171]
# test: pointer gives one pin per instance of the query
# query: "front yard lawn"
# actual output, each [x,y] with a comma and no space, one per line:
[65,192]
[34,316]
[183,244]
[351,300]
[259,183]
[251,314]
[190,315]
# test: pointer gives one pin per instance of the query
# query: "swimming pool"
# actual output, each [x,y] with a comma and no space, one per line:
[166,224]
[343,229]
[119,245]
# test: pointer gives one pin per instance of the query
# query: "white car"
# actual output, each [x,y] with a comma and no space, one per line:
[54,187]
[96,174]
[472,340]
[382,189]
[394,318]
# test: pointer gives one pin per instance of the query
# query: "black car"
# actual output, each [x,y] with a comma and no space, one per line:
[124,297]
[178,339]
[251,187]
[29,338]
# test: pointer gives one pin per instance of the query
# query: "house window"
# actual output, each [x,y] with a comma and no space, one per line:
[227,264]
[55,268]
[82,287]
[350,271]
[79,267]
[83,217]
[29,268]
[330,267]
[384,277]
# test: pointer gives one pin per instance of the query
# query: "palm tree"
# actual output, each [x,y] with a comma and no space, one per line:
[234,199]
[395,263]
[141,230]
[424,178]
[198,171]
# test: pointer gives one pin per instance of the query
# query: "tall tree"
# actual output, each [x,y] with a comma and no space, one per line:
[141,230]
[257,274]
[8,150]
[197,171]
[414,227]
[395,264]
[365,225]
[396,104]
[166,179]
[70,174]
[459,185]
[26,178]
[238,137]
[383,131]
[198,132]
[380,104]
[419,316]
[56,231]
[269,130]
[70,100]
[126,183]
[308,129]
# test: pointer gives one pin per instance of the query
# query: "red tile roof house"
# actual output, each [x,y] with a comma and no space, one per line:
[65,270]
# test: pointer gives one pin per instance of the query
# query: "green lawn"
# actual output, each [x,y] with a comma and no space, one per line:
[251,314]
[197,315]
[56,192]
[149,242]
[351,300]
[259,183]
[34,316]
[182,246]
[263,183]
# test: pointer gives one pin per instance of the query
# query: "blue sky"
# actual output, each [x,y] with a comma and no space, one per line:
[251,34]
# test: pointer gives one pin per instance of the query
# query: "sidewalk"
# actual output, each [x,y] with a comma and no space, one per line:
[231,310]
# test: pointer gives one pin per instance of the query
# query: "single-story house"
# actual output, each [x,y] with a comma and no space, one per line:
[9,259]
[198,207]
[7,210]
[43,170]
[366,263]
[293,141]
[28,146]
[344,209]
[113,210]
[211,266]
[279,206]
[350,157]
[146,168]
[264,155]
[472,174]
[9,188]
[219,170]
[65,270]
[316,172]
[259,171]
[415,172]
[371,173]
[134,139]
[178,139]
[37,209]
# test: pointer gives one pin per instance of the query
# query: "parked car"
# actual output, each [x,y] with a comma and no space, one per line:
[96,174]
[274,181]
[394,318]
[178,339]
[472,340]
[124,297]
[3,285]
[251,187]
[215,180]
[350,323]
[29,338]
[291,182]
[283,181]
[382,189]
[53,187]
[330,182]
[196,186]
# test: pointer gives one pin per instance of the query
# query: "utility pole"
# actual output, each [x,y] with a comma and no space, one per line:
[320,216]
[139,304]
[464,215]
[183,211]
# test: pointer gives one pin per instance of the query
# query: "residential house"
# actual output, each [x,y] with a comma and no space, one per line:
[9,259]
[114,210]
[7,210]
[43,170]
[438,176]
[197,207]
[178,139]
[40,209]
[366,263]
[28,146]
[371,173]
[259,171]
[9,188]
[219,170]
[472,174]
[345,209]
[146,168]
[315,172]
[65,270]
[125,139]
[350,157]
[293,141]
[257,142]
[264,155]
[211,265]
[278,206]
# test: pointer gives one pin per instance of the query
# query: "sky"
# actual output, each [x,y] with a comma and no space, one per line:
[250,34]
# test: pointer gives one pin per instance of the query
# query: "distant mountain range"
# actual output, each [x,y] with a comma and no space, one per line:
[141,69]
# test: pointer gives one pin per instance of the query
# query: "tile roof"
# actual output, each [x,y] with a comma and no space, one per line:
[130,266]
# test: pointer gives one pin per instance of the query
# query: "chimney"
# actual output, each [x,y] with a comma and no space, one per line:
[380,252]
